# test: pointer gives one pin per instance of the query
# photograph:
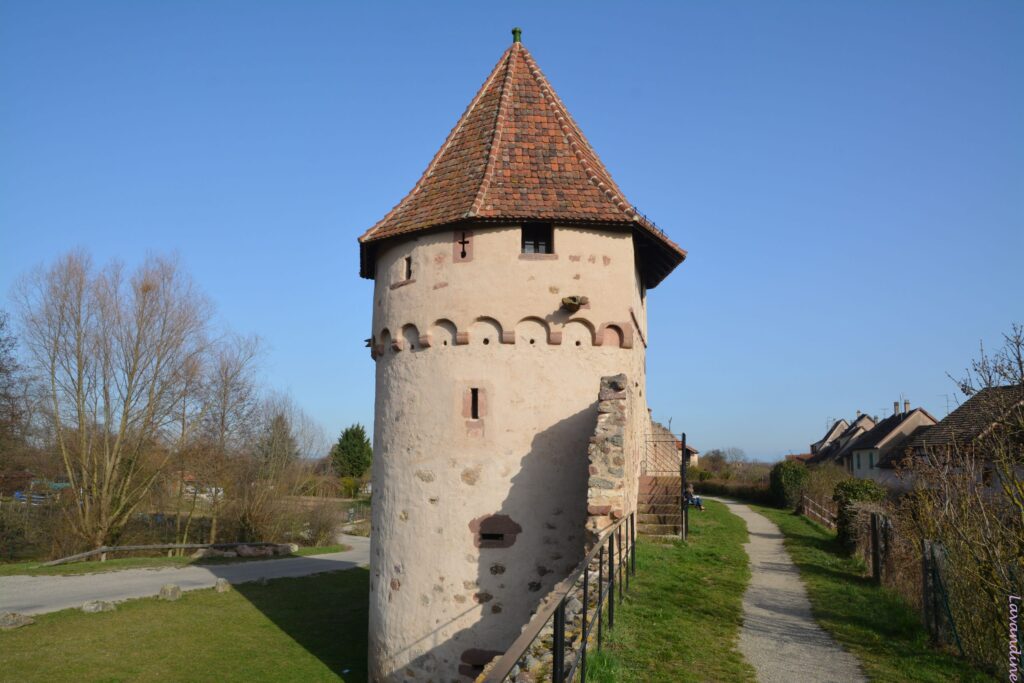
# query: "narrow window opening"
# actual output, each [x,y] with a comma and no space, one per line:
[445,342]
[538,238]
[463,243]
[474,403]
[533,341]
[487,340]
[492,537]
[579,343]
[408,267]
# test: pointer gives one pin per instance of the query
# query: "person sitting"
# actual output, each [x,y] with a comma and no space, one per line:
[693,499]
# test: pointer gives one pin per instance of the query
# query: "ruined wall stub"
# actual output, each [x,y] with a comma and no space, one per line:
[614,453]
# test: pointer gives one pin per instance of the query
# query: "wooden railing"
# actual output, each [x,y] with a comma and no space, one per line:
[103,550]
[818,512]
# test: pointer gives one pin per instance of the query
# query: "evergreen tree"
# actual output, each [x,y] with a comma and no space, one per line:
[352,454]
[277,445]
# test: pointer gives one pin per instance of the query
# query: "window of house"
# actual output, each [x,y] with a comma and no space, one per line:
[871,461]
[858,461]
[474,404]
[407,268]
[538,238]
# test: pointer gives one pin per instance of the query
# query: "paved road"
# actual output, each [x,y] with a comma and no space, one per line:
[41,594]
[780,638]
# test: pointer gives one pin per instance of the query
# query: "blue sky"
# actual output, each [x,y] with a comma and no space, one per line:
[847,176]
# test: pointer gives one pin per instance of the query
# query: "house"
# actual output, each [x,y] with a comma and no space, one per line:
[833,448]
[837,428]
[973,419]
[692,455]
[865,455]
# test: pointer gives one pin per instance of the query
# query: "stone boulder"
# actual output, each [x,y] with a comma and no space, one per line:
[170,591]
[254,550]
[94,606]
[222,585]
[13,620]
[284,549]
[203,553]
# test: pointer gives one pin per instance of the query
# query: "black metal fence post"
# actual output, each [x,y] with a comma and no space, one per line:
[625,557]
[600,595]
[632,536]
[684,502]
[618,569]
[585,626]
[611,580]
[558,647]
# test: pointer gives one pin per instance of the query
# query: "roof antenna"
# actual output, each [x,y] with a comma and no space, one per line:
[517,35]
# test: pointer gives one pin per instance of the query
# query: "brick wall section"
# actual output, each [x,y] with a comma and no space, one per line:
[611,491]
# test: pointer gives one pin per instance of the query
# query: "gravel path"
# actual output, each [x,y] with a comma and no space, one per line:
[41,594]
[780,638]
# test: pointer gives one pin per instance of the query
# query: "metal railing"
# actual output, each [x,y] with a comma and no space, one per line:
[616,561]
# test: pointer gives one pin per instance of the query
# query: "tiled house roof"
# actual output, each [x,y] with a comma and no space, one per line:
[971,419]
[517,155]
[840,445]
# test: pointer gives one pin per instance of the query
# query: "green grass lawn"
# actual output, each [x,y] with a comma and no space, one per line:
[304,629]
[871,622]
[93,567]
[681,618]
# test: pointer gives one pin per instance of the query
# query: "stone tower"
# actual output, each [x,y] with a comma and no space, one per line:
[509,280]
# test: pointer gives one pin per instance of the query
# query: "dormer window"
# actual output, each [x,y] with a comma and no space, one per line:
[538,238]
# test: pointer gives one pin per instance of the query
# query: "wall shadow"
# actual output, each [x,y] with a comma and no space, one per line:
[326,612]
[547,500]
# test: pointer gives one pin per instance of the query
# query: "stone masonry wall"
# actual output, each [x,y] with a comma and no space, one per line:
[614,466]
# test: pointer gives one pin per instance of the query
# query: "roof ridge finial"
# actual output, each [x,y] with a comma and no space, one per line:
[517,35]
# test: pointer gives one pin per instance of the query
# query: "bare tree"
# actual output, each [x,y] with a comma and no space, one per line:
[969,494]
[231,416]
[12,409]
[118,354]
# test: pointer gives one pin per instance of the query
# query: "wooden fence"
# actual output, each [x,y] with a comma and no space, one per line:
[823,513]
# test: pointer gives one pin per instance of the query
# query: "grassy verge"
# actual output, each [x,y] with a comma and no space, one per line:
[305,629]
[871,622]
[681,618]
[95,567]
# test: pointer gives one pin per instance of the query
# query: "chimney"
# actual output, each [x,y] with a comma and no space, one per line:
[895,407]
[906,406]
[858,413]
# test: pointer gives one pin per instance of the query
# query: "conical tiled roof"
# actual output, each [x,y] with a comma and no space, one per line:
[517,154]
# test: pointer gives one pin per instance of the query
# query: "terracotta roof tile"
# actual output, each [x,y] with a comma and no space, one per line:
[517,154]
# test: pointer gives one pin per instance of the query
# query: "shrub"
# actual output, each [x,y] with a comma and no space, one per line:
[822,480]
[350,486]
[751,493]
[787,481]
[321,522]
[846,494]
